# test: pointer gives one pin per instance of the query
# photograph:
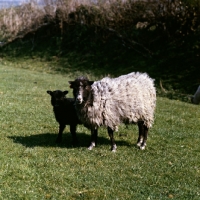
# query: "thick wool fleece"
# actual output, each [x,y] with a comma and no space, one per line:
[127,99]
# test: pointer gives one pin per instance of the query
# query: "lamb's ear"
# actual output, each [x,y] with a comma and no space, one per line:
[49,92]
[71,84]
[65,92]
[91,82]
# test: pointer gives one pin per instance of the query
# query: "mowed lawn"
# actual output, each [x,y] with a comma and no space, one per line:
[32,166]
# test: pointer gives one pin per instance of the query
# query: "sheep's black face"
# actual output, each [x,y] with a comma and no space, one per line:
[57,97]
[81,89]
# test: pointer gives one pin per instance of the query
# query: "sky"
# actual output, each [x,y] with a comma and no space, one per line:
[7,3]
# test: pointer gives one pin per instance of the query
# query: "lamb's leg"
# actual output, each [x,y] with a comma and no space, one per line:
[73,132]
[59,137]
[141,134]
[112,140]
[94,133]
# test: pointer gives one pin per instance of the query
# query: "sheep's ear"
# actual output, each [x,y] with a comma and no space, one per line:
[49,92]
[91,82]
[71,84]
[65,92]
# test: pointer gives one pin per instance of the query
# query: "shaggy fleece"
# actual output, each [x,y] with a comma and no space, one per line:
[126,99]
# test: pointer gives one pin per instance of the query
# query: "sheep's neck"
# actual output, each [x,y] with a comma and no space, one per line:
[89,101]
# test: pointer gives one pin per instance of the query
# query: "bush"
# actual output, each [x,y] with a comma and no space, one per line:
[160,37]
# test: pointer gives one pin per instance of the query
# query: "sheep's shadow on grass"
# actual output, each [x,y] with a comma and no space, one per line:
[49,140]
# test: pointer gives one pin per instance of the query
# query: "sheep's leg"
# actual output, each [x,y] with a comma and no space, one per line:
[145,134]
[73,132]
[113,145]
[93,143]
[59,137]
[141,130]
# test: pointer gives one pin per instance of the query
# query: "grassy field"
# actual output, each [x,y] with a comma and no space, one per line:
[32,166]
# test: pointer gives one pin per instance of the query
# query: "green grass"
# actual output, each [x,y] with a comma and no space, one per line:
[32,166]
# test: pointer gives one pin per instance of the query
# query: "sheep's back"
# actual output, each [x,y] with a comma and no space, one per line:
[129,98]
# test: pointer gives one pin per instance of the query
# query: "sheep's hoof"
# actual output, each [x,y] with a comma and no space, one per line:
[114,148]
[91,146]
[139,144]
[143,147]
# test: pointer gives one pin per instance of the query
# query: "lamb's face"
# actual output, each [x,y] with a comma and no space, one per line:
[81,89]
[57,97]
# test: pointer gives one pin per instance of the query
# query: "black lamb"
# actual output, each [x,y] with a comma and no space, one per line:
[65,113]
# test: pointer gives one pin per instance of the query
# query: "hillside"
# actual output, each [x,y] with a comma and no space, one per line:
[33,166]
[165,48]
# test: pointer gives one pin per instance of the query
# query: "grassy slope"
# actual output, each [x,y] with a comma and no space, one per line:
[82,51]
[32,166]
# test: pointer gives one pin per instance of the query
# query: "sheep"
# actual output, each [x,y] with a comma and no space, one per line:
[195,99]
[109,102]
[65,113]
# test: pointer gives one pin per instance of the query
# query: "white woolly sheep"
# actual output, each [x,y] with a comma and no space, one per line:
[196,98]
[109,102]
